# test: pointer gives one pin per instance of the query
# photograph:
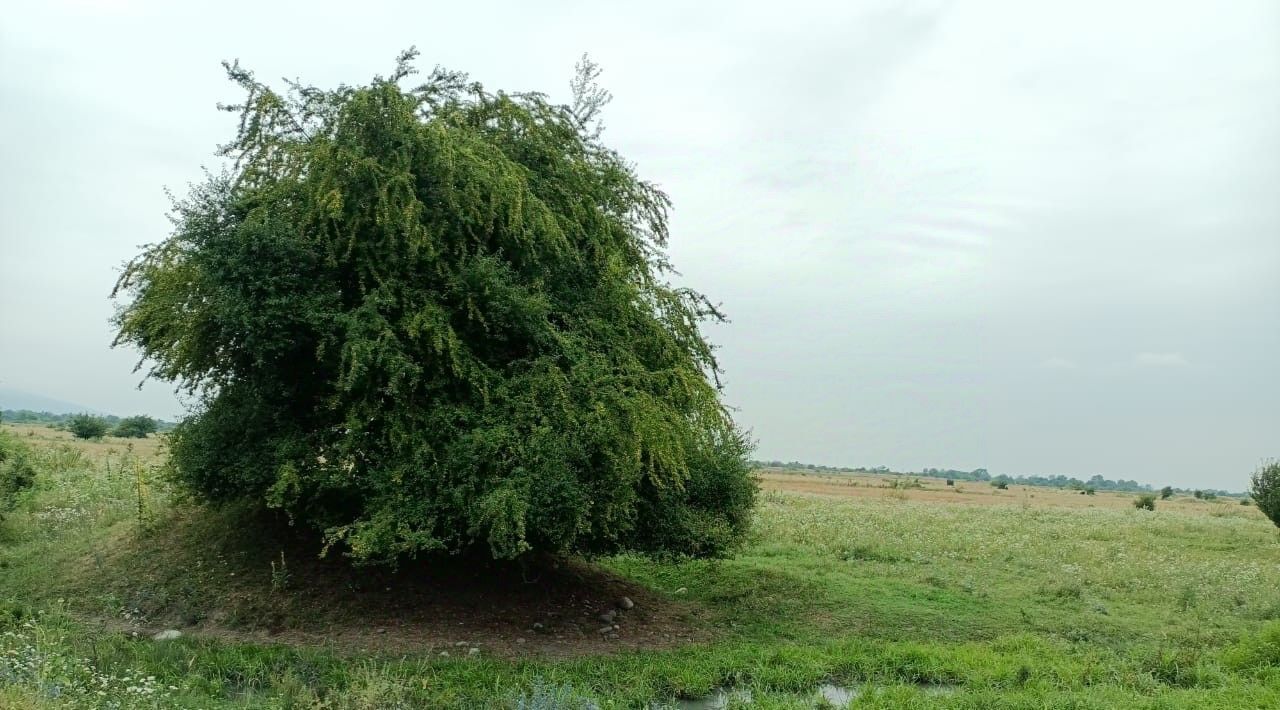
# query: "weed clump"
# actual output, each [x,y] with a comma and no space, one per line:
[16,472]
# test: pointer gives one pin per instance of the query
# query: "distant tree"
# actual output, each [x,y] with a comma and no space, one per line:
[1002,485]
[1265,490]
[1146,501]
[1166,493]
[86,426]
[439,319]
[1198,494]
[136,427]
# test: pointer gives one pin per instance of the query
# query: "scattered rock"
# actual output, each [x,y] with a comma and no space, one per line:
[625,603]
[605,629]
[520,640]
[538,628]
[608,617]
[611,637]
[460,644]
[167,635]
[380,631]
[473,652]
[444,653]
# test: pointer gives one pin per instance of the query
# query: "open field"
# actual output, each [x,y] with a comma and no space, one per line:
[895,597]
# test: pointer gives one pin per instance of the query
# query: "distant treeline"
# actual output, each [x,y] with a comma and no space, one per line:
[27,416]
[1097,483]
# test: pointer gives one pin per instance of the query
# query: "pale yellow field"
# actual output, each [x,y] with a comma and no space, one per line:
[935,490]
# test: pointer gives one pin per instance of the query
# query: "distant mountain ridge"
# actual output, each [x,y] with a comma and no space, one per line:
[15,399]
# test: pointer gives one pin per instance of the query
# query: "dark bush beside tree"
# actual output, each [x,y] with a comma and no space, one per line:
[87,426]
[137,427]
[1265,490]
[438,319]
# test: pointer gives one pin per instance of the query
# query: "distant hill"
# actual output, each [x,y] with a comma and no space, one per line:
[16,399]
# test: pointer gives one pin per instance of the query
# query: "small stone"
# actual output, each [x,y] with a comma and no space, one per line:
[605,629]
[625,603]
[444,653]
[612,637]
[381,631]
[167,635]
[473,652]
[538,628]
[607,617]
[460,644]
[681,590]
[520,640]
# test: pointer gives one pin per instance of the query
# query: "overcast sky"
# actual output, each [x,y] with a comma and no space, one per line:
[1031,237]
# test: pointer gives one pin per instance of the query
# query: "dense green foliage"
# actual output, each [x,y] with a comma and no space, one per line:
[1166,493]
[1265,490]
[438,319]
[86,426]
[135,427]
[16,472]
[1146,501]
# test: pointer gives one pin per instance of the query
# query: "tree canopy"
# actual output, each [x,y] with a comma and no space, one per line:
[437,319]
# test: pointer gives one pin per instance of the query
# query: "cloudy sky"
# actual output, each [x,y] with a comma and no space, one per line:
[1031,237]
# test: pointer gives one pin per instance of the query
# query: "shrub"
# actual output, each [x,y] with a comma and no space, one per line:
[1146,501]
[1166,493]
[1001,485]
[438,320]
[1265,490]
[136,427]
[16,472]
[87,426]
[1245,501]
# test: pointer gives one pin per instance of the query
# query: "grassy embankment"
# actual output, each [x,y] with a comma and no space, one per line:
[916,597]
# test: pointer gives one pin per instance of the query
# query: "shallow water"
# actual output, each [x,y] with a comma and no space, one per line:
[837,695]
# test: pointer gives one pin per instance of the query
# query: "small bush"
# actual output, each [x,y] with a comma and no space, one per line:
[1245,501]
[1146,501]
[1000,485]
[1265,490]
[16,472]
[87,426]
[1166,493]
[136,427]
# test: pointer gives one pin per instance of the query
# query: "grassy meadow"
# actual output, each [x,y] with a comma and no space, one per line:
[866,591]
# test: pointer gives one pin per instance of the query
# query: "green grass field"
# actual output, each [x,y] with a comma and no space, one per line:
[904,600]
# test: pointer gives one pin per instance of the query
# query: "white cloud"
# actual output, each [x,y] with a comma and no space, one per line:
[1160,360]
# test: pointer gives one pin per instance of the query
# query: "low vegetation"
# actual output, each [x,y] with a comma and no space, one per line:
[1146,501]
[919,599]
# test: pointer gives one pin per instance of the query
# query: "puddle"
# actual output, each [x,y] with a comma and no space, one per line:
[837,695]
[831,693]
[719,700]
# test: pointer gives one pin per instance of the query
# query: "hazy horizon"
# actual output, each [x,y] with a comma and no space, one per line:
[1037,240]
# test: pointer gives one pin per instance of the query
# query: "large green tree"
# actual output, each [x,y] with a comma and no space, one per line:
[440,319]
